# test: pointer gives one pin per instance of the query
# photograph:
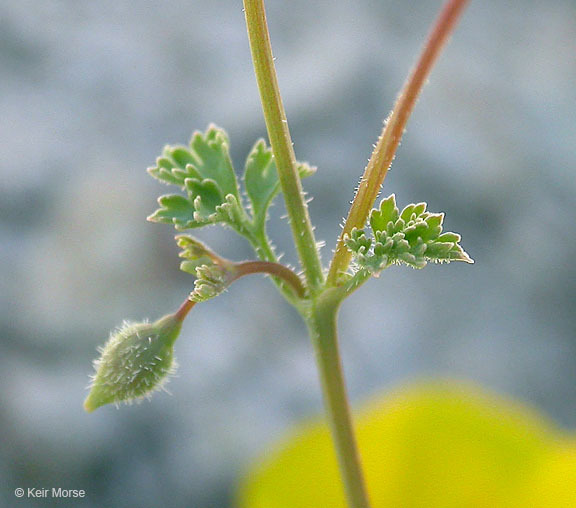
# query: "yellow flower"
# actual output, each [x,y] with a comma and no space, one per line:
[440,445]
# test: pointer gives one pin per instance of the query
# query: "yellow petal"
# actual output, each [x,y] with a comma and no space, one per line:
[435,445]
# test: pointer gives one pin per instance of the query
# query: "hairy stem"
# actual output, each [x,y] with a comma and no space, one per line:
[263,248]
[281,142]
[282,272]
[389,140]
[323,329]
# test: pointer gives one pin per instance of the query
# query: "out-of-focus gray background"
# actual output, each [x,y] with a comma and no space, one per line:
[89,94]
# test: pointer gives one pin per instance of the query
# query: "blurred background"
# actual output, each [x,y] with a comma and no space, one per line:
[89,94]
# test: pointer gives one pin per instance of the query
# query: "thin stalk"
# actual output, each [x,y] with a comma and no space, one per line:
[265,252]
[183,310]
[394,126]
[281,142]
[282,272]
[323,328]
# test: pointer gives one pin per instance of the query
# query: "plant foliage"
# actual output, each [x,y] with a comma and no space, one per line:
[412,236]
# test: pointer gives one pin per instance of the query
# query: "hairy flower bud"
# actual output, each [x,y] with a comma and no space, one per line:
[136,361]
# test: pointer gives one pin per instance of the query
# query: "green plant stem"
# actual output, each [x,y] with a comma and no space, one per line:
[394,126]
[281,143]
[323,329]
[322,320]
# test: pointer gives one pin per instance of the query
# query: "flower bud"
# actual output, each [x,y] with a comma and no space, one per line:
[136,361]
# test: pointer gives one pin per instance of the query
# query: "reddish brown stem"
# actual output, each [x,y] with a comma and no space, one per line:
[275,269]
[182,312]
[389,140]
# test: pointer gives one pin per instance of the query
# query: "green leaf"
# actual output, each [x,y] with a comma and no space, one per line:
[261,179]
[206,157]
[232,213]
[379,218]
[171,167]
[204,170]
[182,156]
[177,210]
[206,196]
[305,170]
[412,237]
[213,159]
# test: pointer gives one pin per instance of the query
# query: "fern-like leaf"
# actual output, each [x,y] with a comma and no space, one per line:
[412,236]
[204,171]
[261,179]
